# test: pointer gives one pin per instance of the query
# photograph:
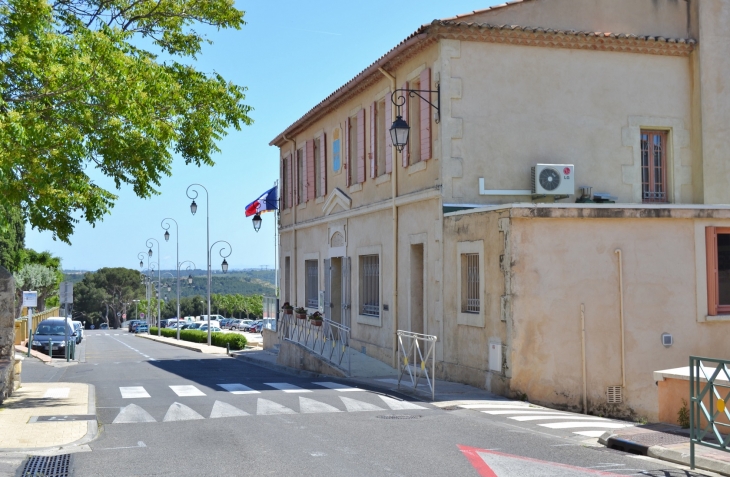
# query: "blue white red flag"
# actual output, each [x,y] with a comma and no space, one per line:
[265,203]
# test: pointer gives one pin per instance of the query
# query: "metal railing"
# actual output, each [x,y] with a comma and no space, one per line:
[329,339]
[21,324]
[417,360]
[709,390]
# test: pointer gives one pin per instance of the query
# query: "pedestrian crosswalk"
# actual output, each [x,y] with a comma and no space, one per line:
[579,424]
[262,406]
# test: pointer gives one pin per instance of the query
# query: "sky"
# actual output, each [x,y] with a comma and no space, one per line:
[290,55]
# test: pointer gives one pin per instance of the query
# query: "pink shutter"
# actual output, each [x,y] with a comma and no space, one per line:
[388,141]
[404,111]
[361,146]
[289,190]
[322,165]
[373,141]
[309,161]
[425,119]
[347,152]
[282,184]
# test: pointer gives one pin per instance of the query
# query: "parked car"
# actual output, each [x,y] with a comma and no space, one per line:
[251,326]
[241,324]
[142,328]
[213,328]
[79,328]
[131,324]
[104,326]
[257,327]
[50,335]
[194,326]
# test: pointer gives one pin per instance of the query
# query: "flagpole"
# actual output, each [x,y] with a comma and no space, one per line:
[276,251]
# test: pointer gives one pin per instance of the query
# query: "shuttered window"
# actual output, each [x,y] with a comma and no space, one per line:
[361,146]
[301,177]
[311,283]
[309,164]
[381,132]
[717,242]
[317,168]
[414,137]
[284,183]
[322,190]
[424,117]
[654,166]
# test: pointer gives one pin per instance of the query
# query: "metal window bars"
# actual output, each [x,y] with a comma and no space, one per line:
[370,279]
[312,292]
[330,340]
[418,359]
[708,415]
[472,301]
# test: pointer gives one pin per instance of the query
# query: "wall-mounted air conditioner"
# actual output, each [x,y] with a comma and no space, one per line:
[553,179]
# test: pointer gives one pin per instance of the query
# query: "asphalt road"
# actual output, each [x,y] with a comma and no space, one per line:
[164,410]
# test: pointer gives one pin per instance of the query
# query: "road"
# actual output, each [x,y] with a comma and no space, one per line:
[168,411]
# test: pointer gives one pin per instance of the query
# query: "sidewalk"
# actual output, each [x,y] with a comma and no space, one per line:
[38,416]
[36,354]
[666,442]
[199,347]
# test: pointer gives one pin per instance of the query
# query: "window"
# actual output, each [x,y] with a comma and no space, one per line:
[336,155]
[470,293]
[311,283]
[317,168]
[381,129]
[285,183]
[301,177]
[654,166]
[414,115]
[370,285]
[718,270]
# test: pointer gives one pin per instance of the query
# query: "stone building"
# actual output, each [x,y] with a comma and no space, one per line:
[7,330]
[455,237]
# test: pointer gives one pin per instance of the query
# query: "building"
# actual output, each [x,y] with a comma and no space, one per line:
[447,237]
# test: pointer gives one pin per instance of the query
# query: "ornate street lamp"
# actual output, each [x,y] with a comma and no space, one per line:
[399,133]
[257,222]
[224,266]
[400,129]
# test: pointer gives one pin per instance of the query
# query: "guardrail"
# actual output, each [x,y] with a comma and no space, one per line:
[708,414]
[329,339]
[414,361]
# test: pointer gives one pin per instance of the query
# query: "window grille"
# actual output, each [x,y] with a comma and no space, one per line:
[311,289]
[470,281]
[370,285]
[654,166]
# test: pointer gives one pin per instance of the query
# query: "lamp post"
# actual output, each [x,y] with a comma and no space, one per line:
[151,280]
[166,225]
[136,313]
[190,281]
[194,209]
[159,271]
[141,256]
[224,267]
[399,129]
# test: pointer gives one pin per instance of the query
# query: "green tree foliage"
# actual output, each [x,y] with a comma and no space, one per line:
[83,88]
[12,238]
[38,278]
[106,292]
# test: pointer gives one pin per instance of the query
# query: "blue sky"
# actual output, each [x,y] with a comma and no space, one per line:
[290,55]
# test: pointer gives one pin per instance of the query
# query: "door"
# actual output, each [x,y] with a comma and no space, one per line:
[333,289]
[346,308]
[417,310]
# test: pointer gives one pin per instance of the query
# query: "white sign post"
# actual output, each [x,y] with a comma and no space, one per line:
[30,301]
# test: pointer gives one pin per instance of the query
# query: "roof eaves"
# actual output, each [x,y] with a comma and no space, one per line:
[488,9]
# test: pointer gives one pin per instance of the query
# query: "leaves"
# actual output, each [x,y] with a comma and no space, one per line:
[78,93]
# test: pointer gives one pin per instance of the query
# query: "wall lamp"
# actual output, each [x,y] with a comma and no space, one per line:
[400,129]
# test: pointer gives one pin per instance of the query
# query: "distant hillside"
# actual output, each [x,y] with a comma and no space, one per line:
[244,282]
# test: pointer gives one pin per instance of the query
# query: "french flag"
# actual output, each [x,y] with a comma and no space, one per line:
[265,203]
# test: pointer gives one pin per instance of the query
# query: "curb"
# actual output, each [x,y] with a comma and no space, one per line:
[275,367]
[179,345]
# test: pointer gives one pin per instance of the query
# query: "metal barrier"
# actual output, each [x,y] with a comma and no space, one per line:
[414,361]
[707,376]
[329,340]
[21,324]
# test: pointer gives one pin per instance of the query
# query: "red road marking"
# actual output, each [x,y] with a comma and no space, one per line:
[472,455]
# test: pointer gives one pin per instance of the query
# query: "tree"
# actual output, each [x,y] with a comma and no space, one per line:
[82,86]
[12,238]
[35,277]
[108,291]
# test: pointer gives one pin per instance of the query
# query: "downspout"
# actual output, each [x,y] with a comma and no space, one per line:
[583,355]
[293,271]
[394,194]
[621,314]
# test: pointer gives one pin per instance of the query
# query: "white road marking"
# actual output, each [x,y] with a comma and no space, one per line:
[222,409]
[353,405]
[569,425]
[498,406]
[133,392]
[264,407]
[133,413]
[396,405]
[180,412]
[338,387]
[187,391]
[56,393]
[288,388]
[309,406]
[545,418]
[536,412]
[590,433]
[238,388]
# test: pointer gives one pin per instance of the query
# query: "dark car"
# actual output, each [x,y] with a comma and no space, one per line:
[132,323]
[50,336]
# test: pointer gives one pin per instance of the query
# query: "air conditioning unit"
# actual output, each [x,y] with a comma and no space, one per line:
[553,179]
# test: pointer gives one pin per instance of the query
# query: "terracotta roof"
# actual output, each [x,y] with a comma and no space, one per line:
[488,9]
[506,34]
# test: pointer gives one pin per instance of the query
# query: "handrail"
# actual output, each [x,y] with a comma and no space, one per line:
[412,347]
[330,340]
[706,401]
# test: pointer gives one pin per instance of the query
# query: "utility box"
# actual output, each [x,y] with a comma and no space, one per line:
[495,355]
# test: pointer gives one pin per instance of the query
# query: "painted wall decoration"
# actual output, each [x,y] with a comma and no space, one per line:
[336,150]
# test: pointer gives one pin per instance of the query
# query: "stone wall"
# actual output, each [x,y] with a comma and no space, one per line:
[7,330]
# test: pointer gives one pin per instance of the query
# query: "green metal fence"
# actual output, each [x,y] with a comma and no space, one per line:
[709,390]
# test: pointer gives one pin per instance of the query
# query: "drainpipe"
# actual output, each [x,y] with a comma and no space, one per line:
[583,355]
[293,271]
[394,194]
[621,314]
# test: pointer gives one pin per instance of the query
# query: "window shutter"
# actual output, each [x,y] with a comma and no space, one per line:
[309,163]
[404,109]
[323,164]
[347,152]
[289,189]
[712,278]
[388,141]
[425,119]
[361,146]
[373,141]
[282,184]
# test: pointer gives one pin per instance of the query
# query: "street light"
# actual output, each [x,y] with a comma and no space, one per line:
[194,206]
[257,222]
[399,133]
[159,277]
[167,236]
[193,209]
[399,129]
[165,225]
[224,266]
[190,279]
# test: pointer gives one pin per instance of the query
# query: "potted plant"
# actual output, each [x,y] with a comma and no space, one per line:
[288,309]
[316,318]
[301,313]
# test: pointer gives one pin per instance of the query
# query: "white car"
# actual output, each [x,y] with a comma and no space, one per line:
[213,328]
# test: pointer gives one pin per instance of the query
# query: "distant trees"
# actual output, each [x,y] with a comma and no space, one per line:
[228,305]
[106,292]
[36,271]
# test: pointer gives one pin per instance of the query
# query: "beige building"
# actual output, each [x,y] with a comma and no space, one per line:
[532,289]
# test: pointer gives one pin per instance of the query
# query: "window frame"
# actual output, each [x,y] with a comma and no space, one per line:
[414,114]
[714,308]
[381,130]
[649,186]
[311,283]
[352,150]
[301,197]
[357,274]
[476,319]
